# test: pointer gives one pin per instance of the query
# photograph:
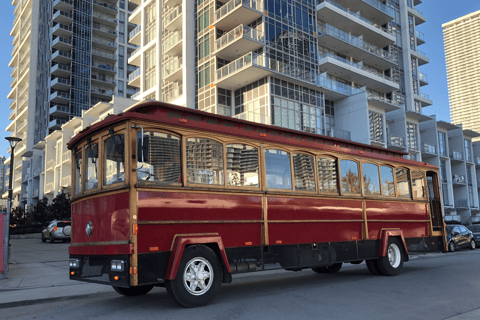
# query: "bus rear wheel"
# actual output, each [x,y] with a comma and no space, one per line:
[133,291]
[373,267]
[392,263]
[199,277]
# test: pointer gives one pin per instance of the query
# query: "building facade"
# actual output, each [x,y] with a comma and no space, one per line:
[461,40]
[67,56]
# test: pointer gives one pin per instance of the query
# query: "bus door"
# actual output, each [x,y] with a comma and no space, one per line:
[435,201]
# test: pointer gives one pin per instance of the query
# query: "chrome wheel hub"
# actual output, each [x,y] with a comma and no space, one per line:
[198,276]
[394,255]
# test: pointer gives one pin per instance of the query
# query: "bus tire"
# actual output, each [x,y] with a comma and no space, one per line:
[133,291]
[392,263]
[372,266]
[199,277]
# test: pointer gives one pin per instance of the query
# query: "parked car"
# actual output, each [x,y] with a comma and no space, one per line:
[476,232]
[459,236]
[57,230]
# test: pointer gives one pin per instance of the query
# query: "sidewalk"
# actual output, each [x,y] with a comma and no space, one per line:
[40,271]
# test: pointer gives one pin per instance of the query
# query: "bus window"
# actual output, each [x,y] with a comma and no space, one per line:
[304,172]
[403,183]
[242,165]
[418,185]
[163,160]
[349,176]
[91,153]
[388,188]
[371,179]
[327,174]
[204,161]
[277,169]
[78,171]
[114,169]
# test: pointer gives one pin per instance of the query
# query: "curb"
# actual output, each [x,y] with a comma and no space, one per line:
[25,303]
[26,236]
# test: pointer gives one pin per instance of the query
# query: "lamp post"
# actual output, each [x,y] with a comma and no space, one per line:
[13,143]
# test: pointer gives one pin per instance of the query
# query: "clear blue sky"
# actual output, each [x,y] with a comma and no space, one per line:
[437,12]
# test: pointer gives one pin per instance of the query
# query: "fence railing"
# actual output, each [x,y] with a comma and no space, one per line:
[428,148]
[457,155]
[461,203]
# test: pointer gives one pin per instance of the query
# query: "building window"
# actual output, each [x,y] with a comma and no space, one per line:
[120,88]
[203,20]
[442,138]
[150,22]
[150,68]
[204,161]
[468,148]
[412,136]
[376,126]
[304,172]
[327,174]
[371,179]
[277,169]
[204,47]
[242,165]
[204,75]
[350,181]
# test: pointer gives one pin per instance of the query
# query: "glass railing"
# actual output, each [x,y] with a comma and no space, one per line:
[134,32]
[171,66]
[422,77]
[233,4]
[61,108]
[103,78]
[457,155]
[461,203]
[396,141]
[172,15]
[61,80]
[12,114]
[62,26]
[63,54]
[373,96]
[104,66]
[61,94]
[104,41]
[422,53]
[62,13]
[428,148]
[135,51]
[354,64]
[357,15]
[423,95]
[237,33]
[134,74]
[99,27]
[134,96]
[104,54]
[344,36]
[418,11]
[382,7]
[419,35]
[62,39]
[101,90]
[174,94]
[107,17]
[70,2]
[105,5]
[171,41]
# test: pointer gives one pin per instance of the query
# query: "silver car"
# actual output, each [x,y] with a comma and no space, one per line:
[57,230]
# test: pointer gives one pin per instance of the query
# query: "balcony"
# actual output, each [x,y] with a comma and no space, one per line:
[423,79]
[61,43]
[335,14]
[350,45]
[132,36]
[372,10]
[103,43]
[253,66]
[421,57]
[172,70]
[50,164]
[383,103]
[173,19]
[63,17]
[106,19]
[456,156]
[461,204]
[66,181]
[101,79]
[429,151]
[104,67]
[173,94]
[104,55]
[48,189]
[172,45]
[356,72]
[63,57]
[59,110]
[66,5]
[60,84]
[420,37]
[61,97]
[56,124]
[130,68]
[454,218]
[66,156]
[103,92]
[417,16]
[423,99]
[105,7]
[12,115]
[237,12]
[35,193]
[104,31]
[62,30]
[21,126]
[238,42]
[396,142]
[136,15]
[172,3]
[458,180]
[477,161]
[134,78]
[135,57]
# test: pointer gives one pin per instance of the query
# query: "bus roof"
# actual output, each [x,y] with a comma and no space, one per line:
[160,112]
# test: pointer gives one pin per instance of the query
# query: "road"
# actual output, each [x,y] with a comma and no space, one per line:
[434,286]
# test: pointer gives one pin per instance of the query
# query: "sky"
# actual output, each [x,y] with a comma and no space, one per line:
[436,12]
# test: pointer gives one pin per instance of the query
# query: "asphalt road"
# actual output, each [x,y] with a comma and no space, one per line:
[435,286]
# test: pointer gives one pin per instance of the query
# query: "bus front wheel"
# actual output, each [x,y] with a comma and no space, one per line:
[392,263]
[199,277]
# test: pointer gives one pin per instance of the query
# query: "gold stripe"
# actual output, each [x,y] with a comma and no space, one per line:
[263,221]
[313,221]
[398,221]
[198,221]
[101,243]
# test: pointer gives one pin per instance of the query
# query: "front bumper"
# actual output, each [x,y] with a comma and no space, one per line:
[97,269]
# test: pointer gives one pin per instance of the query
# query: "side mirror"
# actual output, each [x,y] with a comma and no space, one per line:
[142,149]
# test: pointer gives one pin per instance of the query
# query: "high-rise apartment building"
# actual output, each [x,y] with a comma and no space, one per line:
[67,56]
[461,38]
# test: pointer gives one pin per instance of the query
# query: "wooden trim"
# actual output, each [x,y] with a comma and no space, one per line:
[130,137]
[375,220]
[197,222]
[365,220]
[313,221]
[265,236]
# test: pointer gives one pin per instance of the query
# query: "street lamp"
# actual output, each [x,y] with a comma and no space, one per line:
[13,143]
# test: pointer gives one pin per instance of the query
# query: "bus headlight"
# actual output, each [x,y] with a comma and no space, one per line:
[118,265]
[74,263]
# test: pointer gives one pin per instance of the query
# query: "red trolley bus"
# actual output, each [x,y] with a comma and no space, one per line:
[168,196]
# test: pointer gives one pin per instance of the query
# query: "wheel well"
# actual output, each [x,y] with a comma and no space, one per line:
[402,247]
[227,277]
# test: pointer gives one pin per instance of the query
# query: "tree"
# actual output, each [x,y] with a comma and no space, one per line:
[60,207]
[40,212]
